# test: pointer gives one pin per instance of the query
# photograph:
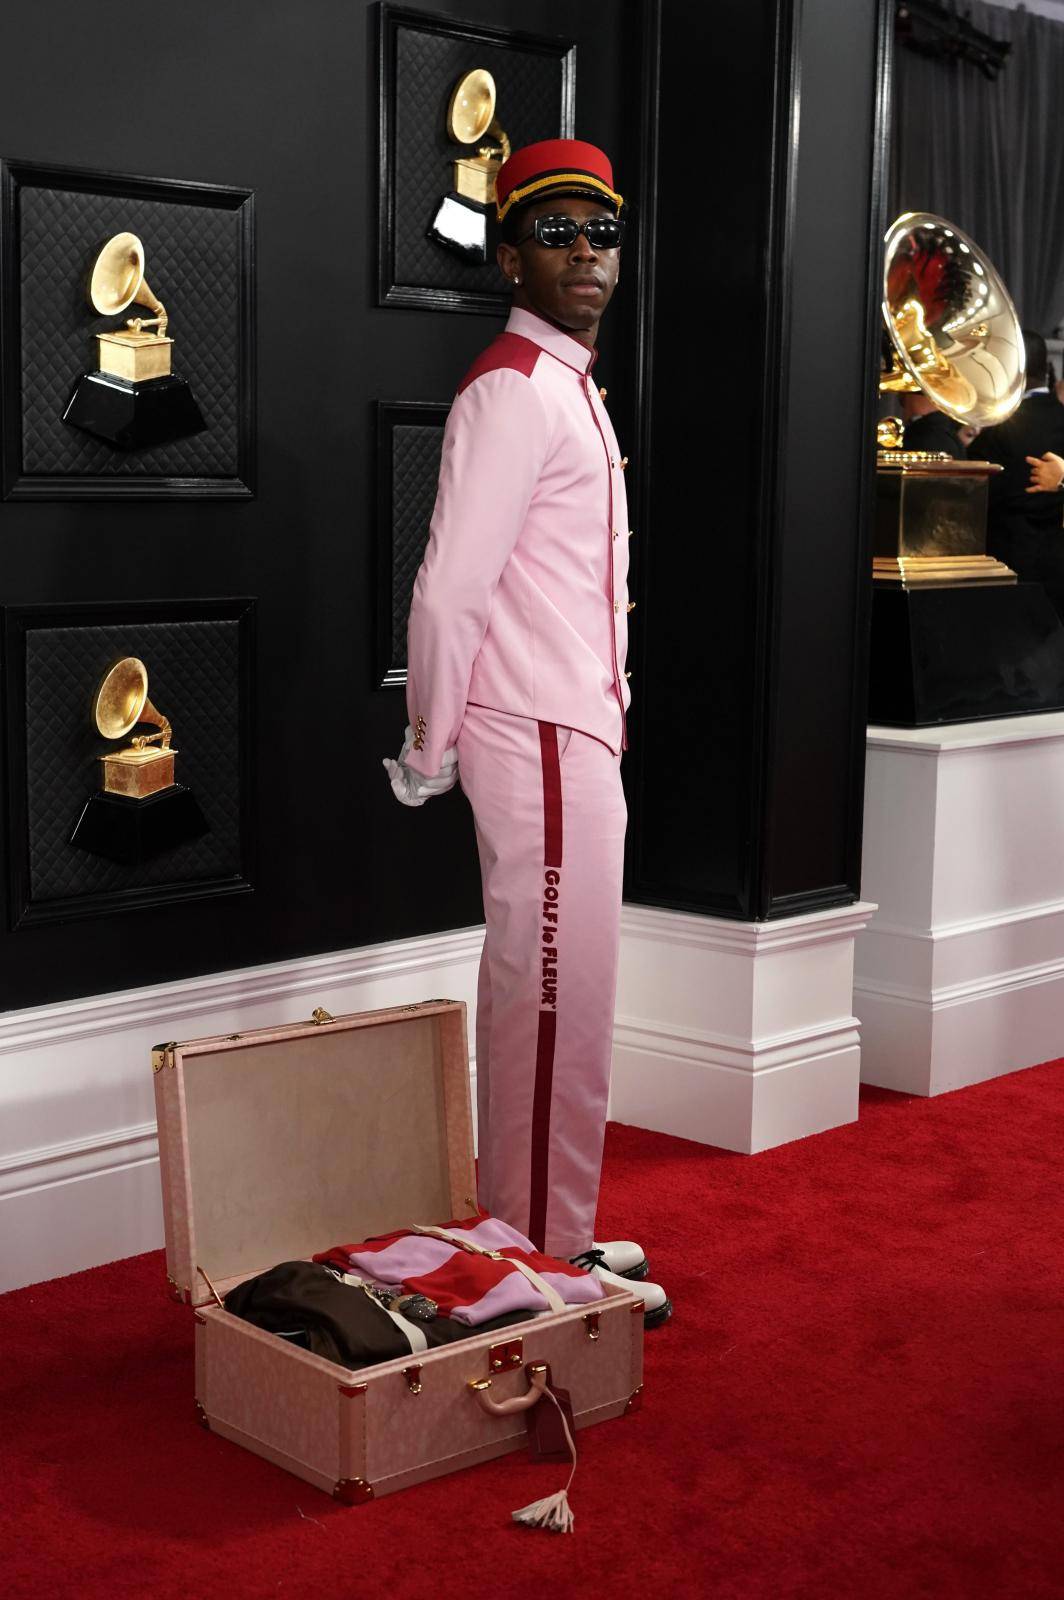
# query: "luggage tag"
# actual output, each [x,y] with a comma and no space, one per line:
[546,1435]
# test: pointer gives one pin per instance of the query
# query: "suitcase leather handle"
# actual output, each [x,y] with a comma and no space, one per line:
[537,1383]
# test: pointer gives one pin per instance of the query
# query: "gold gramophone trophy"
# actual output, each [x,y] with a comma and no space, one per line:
[954,336]
[134,400]
[146,765]
[139,809]
[460,223]
[954,637]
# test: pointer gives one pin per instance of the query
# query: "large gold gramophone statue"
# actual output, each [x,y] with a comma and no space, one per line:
[955,638]
[460,223]
[134,400]
[955,336]
[139,809]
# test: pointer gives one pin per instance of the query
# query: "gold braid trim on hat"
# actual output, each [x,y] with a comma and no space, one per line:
[583,179]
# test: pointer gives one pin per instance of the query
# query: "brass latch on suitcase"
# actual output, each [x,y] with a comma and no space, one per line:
[591,1323]
[413,1379]
[501,1357]
[321,1016]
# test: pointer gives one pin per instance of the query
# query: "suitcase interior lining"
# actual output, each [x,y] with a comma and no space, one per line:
[298,1143]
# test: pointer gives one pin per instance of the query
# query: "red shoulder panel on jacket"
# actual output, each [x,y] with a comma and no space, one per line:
[505,350]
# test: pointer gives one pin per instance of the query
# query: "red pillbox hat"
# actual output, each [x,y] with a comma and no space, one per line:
[554,166]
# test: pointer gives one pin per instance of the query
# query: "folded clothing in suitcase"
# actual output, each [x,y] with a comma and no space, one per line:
[338,1320]
[474,1269]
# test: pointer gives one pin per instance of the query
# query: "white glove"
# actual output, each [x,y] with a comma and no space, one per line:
[410,788]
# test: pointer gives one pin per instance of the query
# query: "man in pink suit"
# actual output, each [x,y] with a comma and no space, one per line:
[516,684]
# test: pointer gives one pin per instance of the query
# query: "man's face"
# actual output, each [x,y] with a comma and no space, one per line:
[570,286]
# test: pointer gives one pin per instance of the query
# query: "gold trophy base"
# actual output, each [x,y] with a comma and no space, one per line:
[135,356]
[938,572]
[138,773]
[474,178]
[930,527]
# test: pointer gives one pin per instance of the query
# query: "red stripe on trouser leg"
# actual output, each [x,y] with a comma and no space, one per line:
[538,1187]
[500,761]
[539,1180]
[552,795]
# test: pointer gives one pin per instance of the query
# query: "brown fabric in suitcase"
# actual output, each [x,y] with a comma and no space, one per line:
[341,1323]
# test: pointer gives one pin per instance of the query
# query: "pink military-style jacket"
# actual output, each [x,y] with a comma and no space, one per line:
[521,602]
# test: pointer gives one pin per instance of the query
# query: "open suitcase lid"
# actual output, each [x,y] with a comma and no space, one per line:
[278,1143]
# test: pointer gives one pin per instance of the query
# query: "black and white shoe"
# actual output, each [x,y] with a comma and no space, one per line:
[657,1307]
[622,1256]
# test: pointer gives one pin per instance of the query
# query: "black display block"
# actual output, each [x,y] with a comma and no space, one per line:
[134,416]
[131,831]
[964,654]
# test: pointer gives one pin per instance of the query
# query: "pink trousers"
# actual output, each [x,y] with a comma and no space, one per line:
[550,820]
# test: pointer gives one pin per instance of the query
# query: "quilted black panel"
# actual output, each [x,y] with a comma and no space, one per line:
[416,452]
[530,105]
[192,261]
[194,678]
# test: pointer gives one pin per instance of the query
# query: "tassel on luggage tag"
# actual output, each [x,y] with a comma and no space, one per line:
[545,1437]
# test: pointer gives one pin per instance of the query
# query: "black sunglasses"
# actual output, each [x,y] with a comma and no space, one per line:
[559,232]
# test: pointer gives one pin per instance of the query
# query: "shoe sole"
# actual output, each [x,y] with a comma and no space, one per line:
[655,1319]
[637,1274]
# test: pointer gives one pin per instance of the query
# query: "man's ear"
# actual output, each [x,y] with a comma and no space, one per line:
[509,260]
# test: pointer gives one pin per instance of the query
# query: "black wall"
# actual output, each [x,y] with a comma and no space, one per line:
[738,356]
[746,773]
[280,97]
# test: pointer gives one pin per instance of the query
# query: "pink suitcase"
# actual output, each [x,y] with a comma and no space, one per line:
[278,1143]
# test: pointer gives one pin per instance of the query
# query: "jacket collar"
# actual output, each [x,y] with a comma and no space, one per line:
[556,343]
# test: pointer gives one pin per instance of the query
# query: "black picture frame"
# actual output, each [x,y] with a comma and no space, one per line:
[17,622]
[20,484]
[394,557]
[391,20]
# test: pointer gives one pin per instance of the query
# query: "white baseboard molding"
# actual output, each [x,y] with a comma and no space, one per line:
[728,1094]
[960,1034]
[739,1035]
[73,1196]
[332,974]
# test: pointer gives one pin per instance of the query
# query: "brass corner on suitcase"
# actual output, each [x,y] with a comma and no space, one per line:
[202,1417]
[635,1401]
[162,1055]
[352,1491]
[176,1292]
[350,1390]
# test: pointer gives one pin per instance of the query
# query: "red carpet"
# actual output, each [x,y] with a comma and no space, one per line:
[861,1395]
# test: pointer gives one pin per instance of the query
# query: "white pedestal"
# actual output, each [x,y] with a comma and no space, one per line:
[737,1034]
[960,977]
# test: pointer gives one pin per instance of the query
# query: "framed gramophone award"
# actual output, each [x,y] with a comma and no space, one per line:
[128,755]
[126,336]
[454,98]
